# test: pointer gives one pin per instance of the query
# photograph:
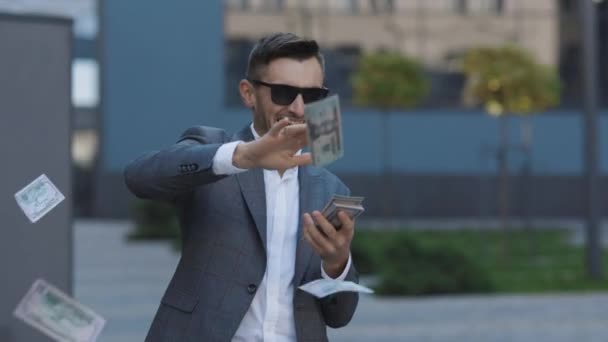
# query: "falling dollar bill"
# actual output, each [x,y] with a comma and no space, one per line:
[324,130]
[351,205]
[55,314]
[324,287]
[38,198]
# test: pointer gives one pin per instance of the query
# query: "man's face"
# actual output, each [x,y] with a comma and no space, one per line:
[303,74]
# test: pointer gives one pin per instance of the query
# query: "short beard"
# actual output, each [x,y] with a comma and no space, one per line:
[259,123]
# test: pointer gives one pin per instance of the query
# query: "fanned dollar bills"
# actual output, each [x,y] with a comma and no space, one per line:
[38,198]
[324,130]
[60,317]
[324,287]
[351,205]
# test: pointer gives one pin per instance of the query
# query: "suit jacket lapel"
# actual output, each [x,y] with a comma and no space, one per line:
[253,189]
[252,186]
[310,200]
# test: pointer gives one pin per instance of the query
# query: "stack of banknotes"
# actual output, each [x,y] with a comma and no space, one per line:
[351,205]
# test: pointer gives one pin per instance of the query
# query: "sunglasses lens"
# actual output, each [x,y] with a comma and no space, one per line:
[283,95]
[314,94]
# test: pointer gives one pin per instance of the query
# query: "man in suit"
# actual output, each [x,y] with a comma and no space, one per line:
[248,206]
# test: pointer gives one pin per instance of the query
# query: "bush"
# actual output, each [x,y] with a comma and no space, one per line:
[154,221]
[367,251]
[508,80]
[408,268]
[389,80]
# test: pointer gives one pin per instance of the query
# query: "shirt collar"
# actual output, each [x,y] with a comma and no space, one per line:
[256,136]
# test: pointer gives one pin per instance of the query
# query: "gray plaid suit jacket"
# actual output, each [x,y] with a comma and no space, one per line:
[223,226]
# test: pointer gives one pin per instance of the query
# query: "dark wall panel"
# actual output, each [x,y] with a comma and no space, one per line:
[35,111]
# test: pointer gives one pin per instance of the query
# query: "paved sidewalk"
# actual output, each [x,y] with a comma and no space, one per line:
[124,282]
[551,318]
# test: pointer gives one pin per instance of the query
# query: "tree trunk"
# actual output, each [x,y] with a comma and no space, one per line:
[503,187]
[526,144]
[386,167]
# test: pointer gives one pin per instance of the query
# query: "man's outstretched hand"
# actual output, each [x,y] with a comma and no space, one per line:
[276,150]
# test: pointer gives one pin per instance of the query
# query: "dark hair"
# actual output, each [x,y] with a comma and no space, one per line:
[279,45]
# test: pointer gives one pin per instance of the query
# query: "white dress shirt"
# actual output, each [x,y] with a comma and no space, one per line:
[270,317]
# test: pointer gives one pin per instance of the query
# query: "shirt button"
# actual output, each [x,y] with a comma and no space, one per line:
[251,288]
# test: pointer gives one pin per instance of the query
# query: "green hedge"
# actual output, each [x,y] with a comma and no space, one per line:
[406,267]
[154,221]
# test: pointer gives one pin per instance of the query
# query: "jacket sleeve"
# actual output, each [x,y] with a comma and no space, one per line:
[338,309]
[178,169]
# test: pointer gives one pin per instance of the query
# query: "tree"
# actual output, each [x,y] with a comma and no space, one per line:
[388,80]
[507,80]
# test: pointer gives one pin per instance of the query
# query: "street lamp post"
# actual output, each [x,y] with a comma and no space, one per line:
[590,98]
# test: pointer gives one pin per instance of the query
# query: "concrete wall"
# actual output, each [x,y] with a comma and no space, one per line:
[35,134]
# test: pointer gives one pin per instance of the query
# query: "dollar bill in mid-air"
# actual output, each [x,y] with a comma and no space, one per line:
[324,130]
[51,311]
[38,198]
[324,287]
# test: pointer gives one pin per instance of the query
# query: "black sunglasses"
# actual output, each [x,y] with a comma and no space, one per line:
[284,95]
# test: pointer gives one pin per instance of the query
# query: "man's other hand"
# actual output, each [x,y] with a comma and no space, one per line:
[333,246]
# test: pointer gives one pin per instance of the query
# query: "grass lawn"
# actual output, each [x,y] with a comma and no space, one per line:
[537,262]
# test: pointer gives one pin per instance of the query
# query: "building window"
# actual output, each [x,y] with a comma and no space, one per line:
[340,62]
[492,6]
[85,145]
[85,83]
[382,6]
[235,66]
[274,5]
[345,6]
[239,5]
[460,6]
[566,5]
